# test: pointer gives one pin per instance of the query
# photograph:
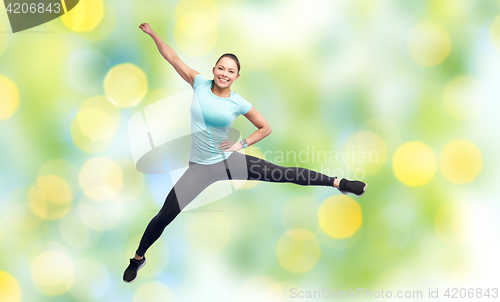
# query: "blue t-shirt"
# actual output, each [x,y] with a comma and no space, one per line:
[211,118]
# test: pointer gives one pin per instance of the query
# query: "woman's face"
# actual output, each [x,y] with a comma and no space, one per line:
[225,72]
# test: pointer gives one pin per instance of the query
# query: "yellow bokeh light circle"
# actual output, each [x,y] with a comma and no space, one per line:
[196,25]
[10,97]
[51,198]
[209,232]
[101,178]
[84,143]
[298,251]
[196,33]
[464,97]
[95,124]
[54,189]
[428,44]
[53,272]
[365,152]
[460,161]
[494,33]
[10,291]
[85,16]
[91,28]
[125,85]
[153,292]
[340,216]
[414,163]
[52,195]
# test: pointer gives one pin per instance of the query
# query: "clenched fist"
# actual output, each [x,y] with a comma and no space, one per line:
[146,28]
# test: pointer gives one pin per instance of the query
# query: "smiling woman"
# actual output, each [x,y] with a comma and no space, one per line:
[225,73]
[213,156]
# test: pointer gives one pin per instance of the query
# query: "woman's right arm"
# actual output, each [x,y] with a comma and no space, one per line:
[169,54]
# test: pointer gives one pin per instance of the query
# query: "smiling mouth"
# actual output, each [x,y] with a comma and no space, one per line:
[222,80]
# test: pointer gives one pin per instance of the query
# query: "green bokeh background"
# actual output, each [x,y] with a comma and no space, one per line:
[320,72]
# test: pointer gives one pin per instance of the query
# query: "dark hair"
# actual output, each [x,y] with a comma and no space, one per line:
[232,56]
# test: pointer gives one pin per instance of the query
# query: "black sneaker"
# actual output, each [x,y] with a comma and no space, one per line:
[131,272]
[355,187]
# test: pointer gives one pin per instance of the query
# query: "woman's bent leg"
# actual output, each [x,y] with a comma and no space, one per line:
[196,178]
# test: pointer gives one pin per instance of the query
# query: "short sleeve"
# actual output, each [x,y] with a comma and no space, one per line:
[244,106]
[199,80]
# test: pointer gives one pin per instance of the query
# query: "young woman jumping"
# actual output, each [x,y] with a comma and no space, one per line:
[213,111]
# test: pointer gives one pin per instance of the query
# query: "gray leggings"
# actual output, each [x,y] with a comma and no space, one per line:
[237,166]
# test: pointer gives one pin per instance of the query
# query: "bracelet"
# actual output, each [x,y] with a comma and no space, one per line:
[243,143]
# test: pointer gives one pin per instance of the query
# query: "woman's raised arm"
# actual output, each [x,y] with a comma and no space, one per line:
[169,54]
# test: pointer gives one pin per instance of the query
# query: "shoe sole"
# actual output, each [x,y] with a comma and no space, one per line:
[141,266]
[364,190]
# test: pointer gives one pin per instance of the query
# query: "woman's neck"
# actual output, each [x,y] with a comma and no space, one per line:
[223,93]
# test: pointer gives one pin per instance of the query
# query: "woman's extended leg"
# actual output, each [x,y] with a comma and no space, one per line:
[244,166]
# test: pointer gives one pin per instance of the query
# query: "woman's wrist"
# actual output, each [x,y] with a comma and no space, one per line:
[243,143]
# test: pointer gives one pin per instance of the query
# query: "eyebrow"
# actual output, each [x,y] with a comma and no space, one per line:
[228,68]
